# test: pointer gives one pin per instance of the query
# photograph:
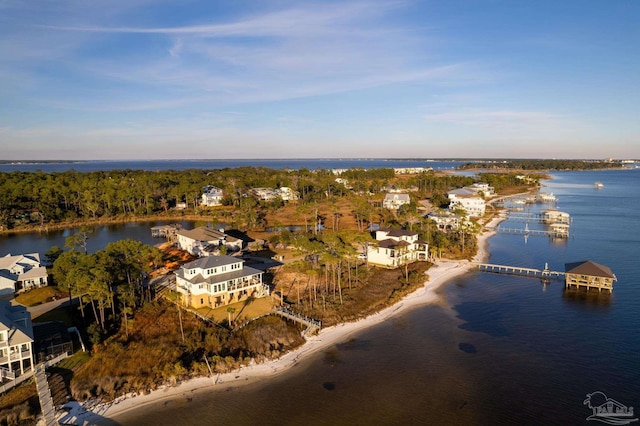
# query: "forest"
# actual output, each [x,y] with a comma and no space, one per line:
[543,164]
[40,199]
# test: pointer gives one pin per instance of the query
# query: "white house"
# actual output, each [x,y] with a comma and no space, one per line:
[21,272]
[467,200]
[203,241]
[394,201]
[484,188]
[445,220]
[16,338]
[216,281]
[212,196]
[287,194]
[396,247]
[264,194]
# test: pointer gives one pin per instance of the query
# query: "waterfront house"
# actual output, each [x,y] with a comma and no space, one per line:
[21,272]
[396,247]
[203,241]
[216,281]
[445,220]
[395,201]
[16,339]
[212,196]
[411,170]
[589,275]
[467,200]
[482,188]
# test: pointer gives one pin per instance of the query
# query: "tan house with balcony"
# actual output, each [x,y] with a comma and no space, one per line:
[16,339]
[396,247]
[216,281]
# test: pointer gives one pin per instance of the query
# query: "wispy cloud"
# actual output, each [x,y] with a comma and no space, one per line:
[507,121]
[300,51]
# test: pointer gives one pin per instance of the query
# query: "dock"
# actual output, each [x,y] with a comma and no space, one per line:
[166,231]
[586,274]
[312,324]
[545,274]
[556,230]
[548,216]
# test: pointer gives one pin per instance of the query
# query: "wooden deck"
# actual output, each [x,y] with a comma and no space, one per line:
[545,273]
[558,232]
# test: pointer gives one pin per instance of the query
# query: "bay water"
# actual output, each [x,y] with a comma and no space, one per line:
[495,350]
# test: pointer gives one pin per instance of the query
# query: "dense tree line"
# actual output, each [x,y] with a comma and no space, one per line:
[109,283]
[42,198]
[540,164]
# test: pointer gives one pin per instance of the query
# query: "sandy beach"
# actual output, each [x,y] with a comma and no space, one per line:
[441,273]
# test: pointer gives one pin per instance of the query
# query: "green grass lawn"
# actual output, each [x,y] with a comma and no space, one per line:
[243,310]
[40,295]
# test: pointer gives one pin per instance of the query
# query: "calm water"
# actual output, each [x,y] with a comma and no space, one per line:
[501,350]
[99,237]
[294,164]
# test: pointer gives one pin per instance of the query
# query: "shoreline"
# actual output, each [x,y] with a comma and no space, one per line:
[440,274]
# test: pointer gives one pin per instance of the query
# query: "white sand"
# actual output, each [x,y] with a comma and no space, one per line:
[442,272]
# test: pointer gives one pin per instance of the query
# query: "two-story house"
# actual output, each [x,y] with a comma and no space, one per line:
[394,201]
[467,200]
[21,272]
[396,247]
[482,188]
[211,196]
[216,281]
[16,338]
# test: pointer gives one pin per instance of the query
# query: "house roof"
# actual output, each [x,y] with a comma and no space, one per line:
[463,192]
[391,232]
[17,321]
[397,197]
[202,233]
[589,268]
[34,273]
[219,278]
[211,262]
[8,261]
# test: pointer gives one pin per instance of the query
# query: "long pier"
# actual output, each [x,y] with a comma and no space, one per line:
[545,273]
[557,230]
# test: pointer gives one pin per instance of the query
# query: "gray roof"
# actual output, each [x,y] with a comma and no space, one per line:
[203,233]
[463,192]
[219,278]
[588,267]
[211,262]
[398,232]
[399,197]
[17,321]
[8,261]
[34,273]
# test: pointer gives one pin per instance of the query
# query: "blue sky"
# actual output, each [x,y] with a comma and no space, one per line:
[142,79]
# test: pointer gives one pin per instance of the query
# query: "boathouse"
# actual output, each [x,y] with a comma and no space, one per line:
[589,275]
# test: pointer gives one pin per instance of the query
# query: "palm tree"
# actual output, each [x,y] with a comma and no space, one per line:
[230,311]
